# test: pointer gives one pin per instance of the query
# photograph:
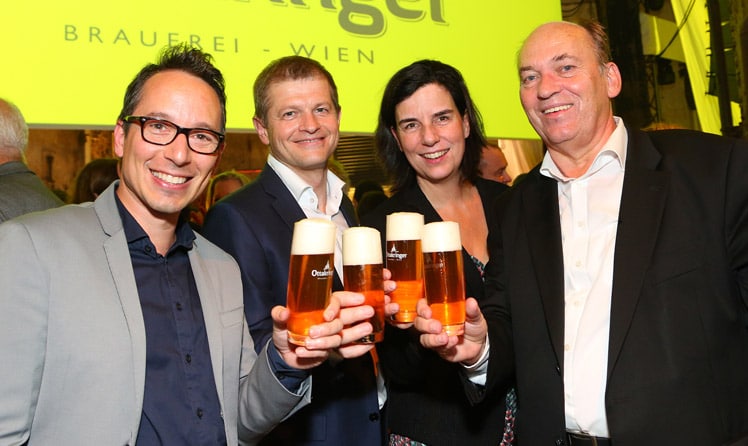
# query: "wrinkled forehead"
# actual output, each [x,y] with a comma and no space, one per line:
[554,41]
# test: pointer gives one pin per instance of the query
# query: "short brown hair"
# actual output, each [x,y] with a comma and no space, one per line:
[289,68]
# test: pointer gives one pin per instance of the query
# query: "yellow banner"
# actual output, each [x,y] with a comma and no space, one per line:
[67,64]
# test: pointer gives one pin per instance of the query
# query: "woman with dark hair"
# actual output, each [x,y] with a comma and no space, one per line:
[430,137]
[93,178]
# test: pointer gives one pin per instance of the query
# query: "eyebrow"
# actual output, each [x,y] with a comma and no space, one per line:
[435,115]
[558,58]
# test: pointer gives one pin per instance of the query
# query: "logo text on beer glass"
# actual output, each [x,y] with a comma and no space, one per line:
[326,272]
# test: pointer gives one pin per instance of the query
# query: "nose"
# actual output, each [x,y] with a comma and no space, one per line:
[429,135]
[506,178]
[548,85]
[178,151]
[309,123]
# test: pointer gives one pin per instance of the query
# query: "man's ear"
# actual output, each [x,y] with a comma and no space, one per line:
[262,131]
[119,139]
[613,76]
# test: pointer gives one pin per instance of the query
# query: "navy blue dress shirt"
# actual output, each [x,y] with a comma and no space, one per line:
[180,404]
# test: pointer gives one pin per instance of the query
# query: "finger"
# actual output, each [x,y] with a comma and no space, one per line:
[324,343]
[331,312]
[331,328]
[280,314]
[390,308]
[427,326]
[348,298]
[472,310]
[434,341]
[389,286]
[353,333]
[386,274]
[423,309]
[357,314]
[303,353]
[355,350]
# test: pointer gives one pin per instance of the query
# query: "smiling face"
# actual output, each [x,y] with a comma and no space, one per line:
[431,133]
[565,90]
[159,181]
[302,124]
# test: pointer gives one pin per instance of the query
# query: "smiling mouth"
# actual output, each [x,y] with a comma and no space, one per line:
[171,179]
[435,155]
[556,109]
[309,140]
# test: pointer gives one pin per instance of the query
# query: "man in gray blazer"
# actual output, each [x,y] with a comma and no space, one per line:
[122,326]
[21,191]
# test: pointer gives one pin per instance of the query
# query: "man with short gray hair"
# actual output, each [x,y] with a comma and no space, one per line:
[21,191]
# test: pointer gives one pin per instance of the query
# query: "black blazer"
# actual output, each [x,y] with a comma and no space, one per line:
[678,350]
[255,225]
[426,401]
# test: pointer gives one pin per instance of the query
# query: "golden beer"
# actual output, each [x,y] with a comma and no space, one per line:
[444,282]
[405,261]
[363,273]
[310,276]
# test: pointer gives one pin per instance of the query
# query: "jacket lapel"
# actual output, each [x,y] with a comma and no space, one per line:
[642,204]
[540,211]
[120,266]
[213,326]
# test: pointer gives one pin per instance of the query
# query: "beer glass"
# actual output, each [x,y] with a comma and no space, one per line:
[362,273]
[405,261]
[443,280]
[310,276]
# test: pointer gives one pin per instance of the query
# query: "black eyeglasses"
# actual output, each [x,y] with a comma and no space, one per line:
[162,132]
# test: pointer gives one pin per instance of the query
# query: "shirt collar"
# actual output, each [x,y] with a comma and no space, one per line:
[613,149]
[134,232]
[298,187]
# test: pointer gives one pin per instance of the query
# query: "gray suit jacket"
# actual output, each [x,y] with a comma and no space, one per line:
[73,337]
[21,192]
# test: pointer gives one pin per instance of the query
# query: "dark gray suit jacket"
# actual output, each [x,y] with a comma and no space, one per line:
[678,350]
[255,225]
[21,192]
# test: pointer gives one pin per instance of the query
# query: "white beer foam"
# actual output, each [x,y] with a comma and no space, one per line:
[362,246]
[313,236]
[404,226]
[441,236]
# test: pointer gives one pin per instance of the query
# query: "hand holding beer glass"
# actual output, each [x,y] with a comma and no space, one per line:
[405,261]
[310,276]
[443,279]
[362,273]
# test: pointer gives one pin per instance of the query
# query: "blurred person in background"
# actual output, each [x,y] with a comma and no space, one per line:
[93,178]
[21,191]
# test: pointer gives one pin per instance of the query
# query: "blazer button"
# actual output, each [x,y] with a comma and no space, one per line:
[374,416]
[560,442]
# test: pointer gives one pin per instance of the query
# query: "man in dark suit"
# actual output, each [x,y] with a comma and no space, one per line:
[618,283]
[298,115]
[21,191]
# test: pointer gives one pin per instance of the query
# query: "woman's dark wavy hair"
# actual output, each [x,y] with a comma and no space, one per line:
[400,87]
[181,57]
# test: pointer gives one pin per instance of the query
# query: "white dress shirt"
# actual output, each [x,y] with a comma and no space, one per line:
[588,211]
[307,199]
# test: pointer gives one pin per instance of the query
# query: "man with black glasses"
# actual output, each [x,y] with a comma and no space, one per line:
[120,325]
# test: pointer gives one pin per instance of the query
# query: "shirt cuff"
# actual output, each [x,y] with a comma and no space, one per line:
[477,372]
[290,377]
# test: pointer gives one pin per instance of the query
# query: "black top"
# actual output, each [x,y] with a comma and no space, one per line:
[425,394]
